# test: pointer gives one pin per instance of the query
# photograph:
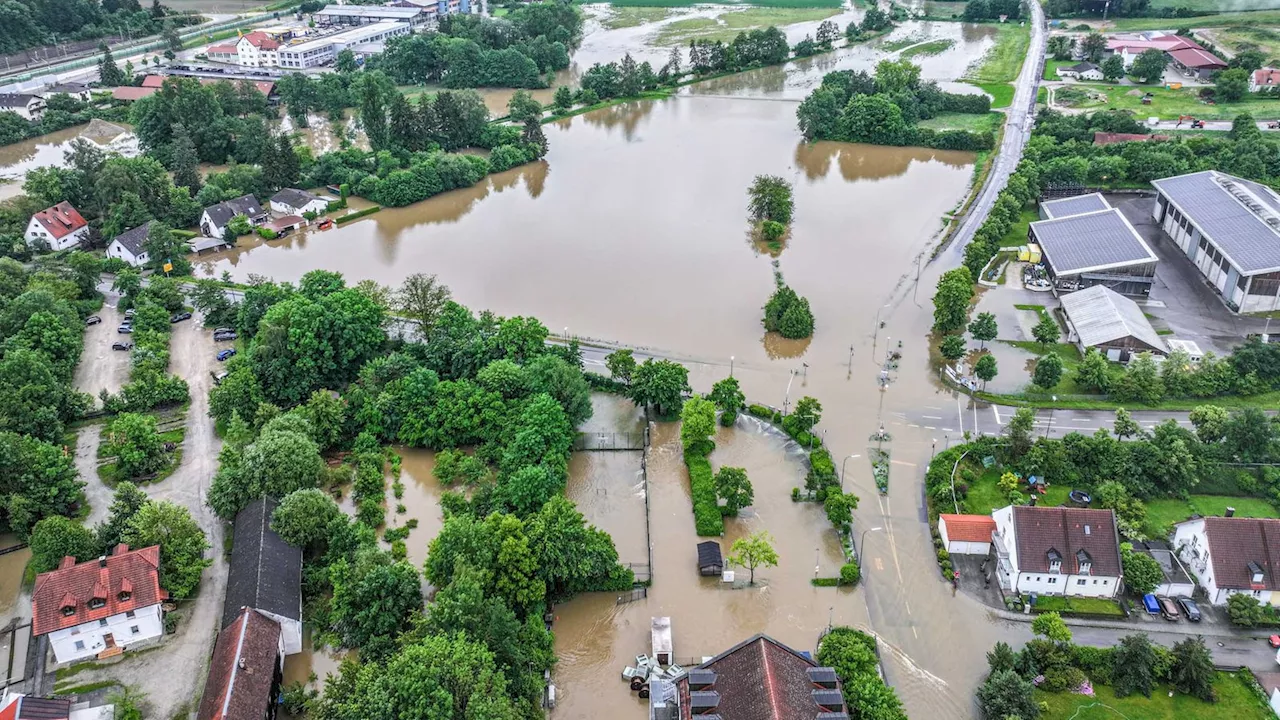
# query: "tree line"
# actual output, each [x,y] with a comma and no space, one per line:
[885,108]
[32,23]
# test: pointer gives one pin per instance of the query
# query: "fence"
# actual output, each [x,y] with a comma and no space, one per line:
[643,573]
[636,593]
[606,442]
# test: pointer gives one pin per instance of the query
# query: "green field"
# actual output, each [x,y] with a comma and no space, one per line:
[625,17]
[1264,17]
[1235,701]
[1004,59]
[989,122]
[1169,104]
[1265,39]
[758,3]
[986,495]
[1001,93]
[1166,511]
[933,47]
[1017,235]
[1209,5]
[1051,67]
[1091,606]
[726,26]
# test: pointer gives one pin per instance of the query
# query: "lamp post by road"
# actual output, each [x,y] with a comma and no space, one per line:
[730,366]
[566,333]
[842,463]
[863,539]
[786,399]
[1049,427]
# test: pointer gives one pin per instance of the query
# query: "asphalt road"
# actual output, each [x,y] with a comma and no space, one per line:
[102,368]
[963,416]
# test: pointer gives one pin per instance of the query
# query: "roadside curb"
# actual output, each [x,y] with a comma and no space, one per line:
[1180,629]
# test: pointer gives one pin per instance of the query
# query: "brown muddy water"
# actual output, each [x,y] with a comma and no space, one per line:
[15,601]
[47,151]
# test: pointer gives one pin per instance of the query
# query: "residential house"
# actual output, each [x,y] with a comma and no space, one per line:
[265,575]
[128,93]
[26,105]
[1057,551]
[130,245]
[1196,62]
[757,679]
[1264,79]
[1081,71]
[245,672]
[966,534]
[18,706]
[214,219]
[1232,555]
[79,91]
[59,227]
[291,201]
[100,607]
[1111,323]
[253,49]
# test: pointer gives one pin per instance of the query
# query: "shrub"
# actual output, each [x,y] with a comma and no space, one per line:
[1095,661]
[706,509]
[267,233]
[772,231]
[850,573]
[1057,679]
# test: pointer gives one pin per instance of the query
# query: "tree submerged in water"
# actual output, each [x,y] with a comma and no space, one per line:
[788,314]
[770,206]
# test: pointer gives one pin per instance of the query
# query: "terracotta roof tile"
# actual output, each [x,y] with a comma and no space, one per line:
[1197,58]
[242,670]
[1066,531]
[61,219]
[75,586]
[1235,542]
[969,528]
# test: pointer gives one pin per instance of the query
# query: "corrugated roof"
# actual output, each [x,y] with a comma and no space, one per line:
[1101,315]
[1077,205]
[1220,205]
[1196,58]
[1091,242]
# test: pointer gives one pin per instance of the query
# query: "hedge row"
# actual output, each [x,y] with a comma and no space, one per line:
[357,214]
[706,506]
[606,384]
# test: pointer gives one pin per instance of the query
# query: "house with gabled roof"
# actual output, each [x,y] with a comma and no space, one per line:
[101,607]
[215,218]
[130,245]
[1230,555]
[265,574]
[246,670]
[59,227]
[1057,551]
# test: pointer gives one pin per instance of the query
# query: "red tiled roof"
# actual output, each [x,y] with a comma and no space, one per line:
[75,585]
[1266,77]
[221,49]
[242,670]
[1067,531]
[1107,138]
[261,40]
[969,528]
[1235,542]
[1196,58]
[284,223]
[1166,43]
[61,219]
[759,679]
[154,81]
[129,94]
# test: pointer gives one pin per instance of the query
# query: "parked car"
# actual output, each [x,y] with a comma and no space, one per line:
[1274,640]
[179,317]
[125,329]
[224,336]
[129,313]
[122,346]
[1150,604]
[1189,608]
[217,331]
[1169,609]
[92,320]
[224,354]
[218,377]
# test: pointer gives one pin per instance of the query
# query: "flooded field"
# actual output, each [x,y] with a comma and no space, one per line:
[421,500]
[47,151]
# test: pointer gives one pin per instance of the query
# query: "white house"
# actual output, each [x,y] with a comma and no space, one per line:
[214,219]
[1082,71]
[26,105]
[1057,551]
[254,49]
[101,607]
[265,575]
[79,91]
[129,245]
[59,227]
[1232,555]
[291,201]
[1264,78]
[966,534]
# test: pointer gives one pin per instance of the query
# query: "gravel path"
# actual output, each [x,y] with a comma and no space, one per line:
[96,492]
[101,367]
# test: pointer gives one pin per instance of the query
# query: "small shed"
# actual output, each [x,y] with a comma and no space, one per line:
[710,561]
[662,641]
[966,534]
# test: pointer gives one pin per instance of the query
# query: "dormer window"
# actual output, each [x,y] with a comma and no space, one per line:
[1255,573]
[68,605]
[1084,561]
[126,590]
[122,596]
[1055,560]
[97,603]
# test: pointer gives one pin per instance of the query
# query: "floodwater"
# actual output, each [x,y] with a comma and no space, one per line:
[299,667]
[47,150]
[421,500]
[15,601]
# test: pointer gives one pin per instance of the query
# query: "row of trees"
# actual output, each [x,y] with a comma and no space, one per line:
[32,23]
[884,109]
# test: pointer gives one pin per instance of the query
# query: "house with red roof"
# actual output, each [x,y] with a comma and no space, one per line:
[101,607]
[254,49]
[59,227]
[246,670]
[1230,555]
[966,534]
[1263,79]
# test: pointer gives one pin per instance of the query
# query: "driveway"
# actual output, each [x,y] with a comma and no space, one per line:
[101,367]
[96,492]
[173,677]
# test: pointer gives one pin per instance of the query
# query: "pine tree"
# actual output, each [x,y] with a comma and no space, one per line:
[373,115]
[108,73]
[287,157]
[403,128]
[534,137]
[183,160]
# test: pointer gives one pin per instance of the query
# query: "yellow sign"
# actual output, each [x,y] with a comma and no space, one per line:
[168,267]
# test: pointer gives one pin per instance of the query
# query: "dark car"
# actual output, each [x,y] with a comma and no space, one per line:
[224,354]
[223,336]
[219,331]
[92,320]
[1169,609]
[1189,608]
[122,346]
[179,317]
[126,329]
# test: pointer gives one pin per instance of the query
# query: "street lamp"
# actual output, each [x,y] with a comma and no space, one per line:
[842,463]
[730,366]
[786,399]
[566,333]
[1049,427]
[863,539]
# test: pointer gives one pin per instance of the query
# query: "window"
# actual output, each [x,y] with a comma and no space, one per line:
[96,603]
[1053,581]
[79,644]
[130,614]
[134,629]
[124,595]
[1082,581]
[102,622]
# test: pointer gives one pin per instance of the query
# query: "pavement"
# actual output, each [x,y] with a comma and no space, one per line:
[102,368]
[96,492]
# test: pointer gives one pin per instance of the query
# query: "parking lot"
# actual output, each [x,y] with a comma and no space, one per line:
[101,367]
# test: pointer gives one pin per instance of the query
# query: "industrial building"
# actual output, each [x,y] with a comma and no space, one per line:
[322,50]
[1087,242]
[415,15]
[1230,230]
[1110,323]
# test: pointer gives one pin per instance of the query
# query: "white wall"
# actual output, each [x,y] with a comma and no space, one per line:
[290,632]
[118,250]
[1045,583]
[36,231]
[87,640]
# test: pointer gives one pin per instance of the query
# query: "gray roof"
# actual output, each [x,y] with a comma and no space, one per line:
[16,100]
[222,213]
[1082,67]
[1077,205]
[133,240]
[72,88]
[294,197]
[1241,218]
[1101,315]
[266,572]
[401,13]
[1090,242]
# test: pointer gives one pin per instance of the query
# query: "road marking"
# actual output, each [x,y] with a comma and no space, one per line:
[902,462]
[879,563]
[931,417]
[930,427]
[912,425]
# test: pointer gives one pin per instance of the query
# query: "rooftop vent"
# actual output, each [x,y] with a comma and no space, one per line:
[831,700]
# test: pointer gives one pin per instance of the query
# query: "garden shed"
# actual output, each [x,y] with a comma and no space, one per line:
[710,561]
[966,534]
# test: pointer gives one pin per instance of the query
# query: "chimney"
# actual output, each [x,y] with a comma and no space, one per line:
[1231,512]
[120,549]
[67,561]
[102,561]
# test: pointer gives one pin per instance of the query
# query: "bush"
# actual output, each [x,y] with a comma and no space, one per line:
[1095,661]
[1057,679]
[267,233]
[357,214]
[772,231]
[706,508]
[850,573]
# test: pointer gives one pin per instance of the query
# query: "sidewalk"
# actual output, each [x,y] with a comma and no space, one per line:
[1179,628]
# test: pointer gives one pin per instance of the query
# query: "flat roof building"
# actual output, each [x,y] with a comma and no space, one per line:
[322,50]
[1087,242]
[1229,228]
[1111,323]
[369,14]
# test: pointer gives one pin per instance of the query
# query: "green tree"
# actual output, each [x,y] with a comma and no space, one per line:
[621,364]
[1094,371]
[985,369]
[729,398]
[1048,371]
[952,347]
[769,198]
[1061,46]
[345,62]
[951,301]
[807,414]
[563,99]
[276,464]
[134,441]
[788,314]
[1004,694]
[1001,657]
[983,328]
[1019,431]
[1193,670]
[374,599]
[182,544]
[697,425]
[1210,422]
[423,298]
[1133,666]
[1245,610]
[839,507]
[1231,85]
[302,518]
[660,383]
[56,537]
[1050,625]
[522,107]
[1113,68]
[851,653]
[109,74]
[183,160]
[125,503]
[752,552]
[1092,47]
[1141,572]
[1149,65]
[733,487]
[1125,426]
[876,120]
[1046,331]
[457,467]
[1141,381]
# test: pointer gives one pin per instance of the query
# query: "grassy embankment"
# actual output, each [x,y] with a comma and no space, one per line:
[1262,17]
[726,26]
[1235,700]
[625,17]
[995,72]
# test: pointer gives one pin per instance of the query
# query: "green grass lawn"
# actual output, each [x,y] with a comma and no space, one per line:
[985,495]
[1169,104]
[1263,17]
[1001,93]
[726,26]
[1017,235]
[990,122]
[1266,39]
[1051,67]
[1091,606]
[1235,701]
[1166,511]
[933,47]
[625,17]
[1004,59]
